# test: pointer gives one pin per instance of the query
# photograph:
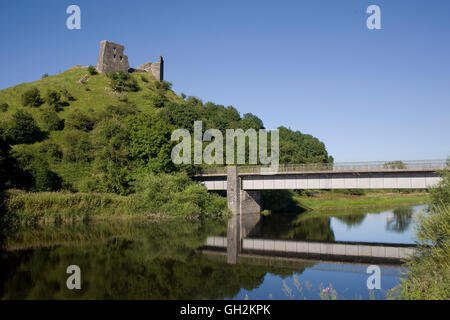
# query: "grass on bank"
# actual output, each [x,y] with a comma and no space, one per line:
[331,201]
[158,196]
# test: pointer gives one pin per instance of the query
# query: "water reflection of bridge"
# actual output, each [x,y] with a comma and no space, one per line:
[242,240]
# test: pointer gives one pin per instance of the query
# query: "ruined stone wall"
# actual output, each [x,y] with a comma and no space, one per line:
[155,68]
[112,58]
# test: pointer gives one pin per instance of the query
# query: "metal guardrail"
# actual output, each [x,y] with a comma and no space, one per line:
[344,166]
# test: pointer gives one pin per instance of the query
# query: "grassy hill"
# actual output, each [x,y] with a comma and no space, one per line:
[92,96]
[86,131]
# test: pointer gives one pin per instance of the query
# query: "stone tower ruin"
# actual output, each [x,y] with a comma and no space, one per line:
[112,58]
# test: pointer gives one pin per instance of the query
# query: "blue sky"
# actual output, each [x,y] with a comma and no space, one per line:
[309,65]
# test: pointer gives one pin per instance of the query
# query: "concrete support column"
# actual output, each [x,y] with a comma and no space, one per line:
[241,201]
[233,189]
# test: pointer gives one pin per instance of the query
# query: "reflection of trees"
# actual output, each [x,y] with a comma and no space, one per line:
[352,219]
[145,261]
[401,219]
[289,226]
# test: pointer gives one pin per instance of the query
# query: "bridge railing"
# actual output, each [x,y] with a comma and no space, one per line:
[344,166]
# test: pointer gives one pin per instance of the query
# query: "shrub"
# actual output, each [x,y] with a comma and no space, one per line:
[4,107]
[441,193]
[122,81]
[50,150]
[45,179]
[121,110]
[53,98]
[35,164]
[157,100]
[45,75]
[79,121]
[32,98]
[51,120]
[177,195]
[66,94]
[23,128]
[92,70]
[163,85]
[429,276]
[78,148]
[144,78]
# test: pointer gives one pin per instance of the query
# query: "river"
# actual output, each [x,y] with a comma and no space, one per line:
[167,260]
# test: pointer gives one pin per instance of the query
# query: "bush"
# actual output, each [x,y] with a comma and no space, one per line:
[51,120]
[121,81]
[429,274]
[92,70]
[32,98]
[79,121]
[157,100]
[53,98]
[177,195]
[45,75]
[144,78]
[78,148]
[4,107]
[23,128]
[163,85]
[67,95]
[50,150]
[441,193]
[40,177]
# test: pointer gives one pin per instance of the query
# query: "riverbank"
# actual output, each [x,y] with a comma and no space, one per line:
[49,208]
[337,201]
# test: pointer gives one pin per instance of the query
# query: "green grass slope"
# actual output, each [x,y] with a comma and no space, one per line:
[92,96]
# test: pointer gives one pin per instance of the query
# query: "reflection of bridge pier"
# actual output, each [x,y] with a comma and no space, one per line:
[239,227]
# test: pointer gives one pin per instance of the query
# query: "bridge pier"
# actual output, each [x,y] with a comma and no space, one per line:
[241,201]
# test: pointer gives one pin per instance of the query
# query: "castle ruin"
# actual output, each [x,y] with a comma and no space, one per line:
[112,58]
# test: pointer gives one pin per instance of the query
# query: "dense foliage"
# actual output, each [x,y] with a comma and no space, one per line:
[429,275]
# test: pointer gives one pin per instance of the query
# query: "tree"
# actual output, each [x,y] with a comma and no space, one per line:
[4,107]
[51,120]
[394,165]
[296,147]
[79,121]
[32,98]
[53,98]
[92,70]
[23,128]
[150,142]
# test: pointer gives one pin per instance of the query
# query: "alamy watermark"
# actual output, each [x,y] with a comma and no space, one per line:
[213,153]
[74,20]
[74,280]
[374,281]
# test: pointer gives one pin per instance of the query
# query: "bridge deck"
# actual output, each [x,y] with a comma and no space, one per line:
[338,250]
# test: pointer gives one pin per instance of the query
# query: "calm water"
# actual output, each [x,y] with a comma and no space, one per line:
[145,260]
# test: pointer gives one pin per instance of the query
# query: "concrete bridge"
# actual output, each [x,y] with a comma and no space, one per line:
[244,185]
